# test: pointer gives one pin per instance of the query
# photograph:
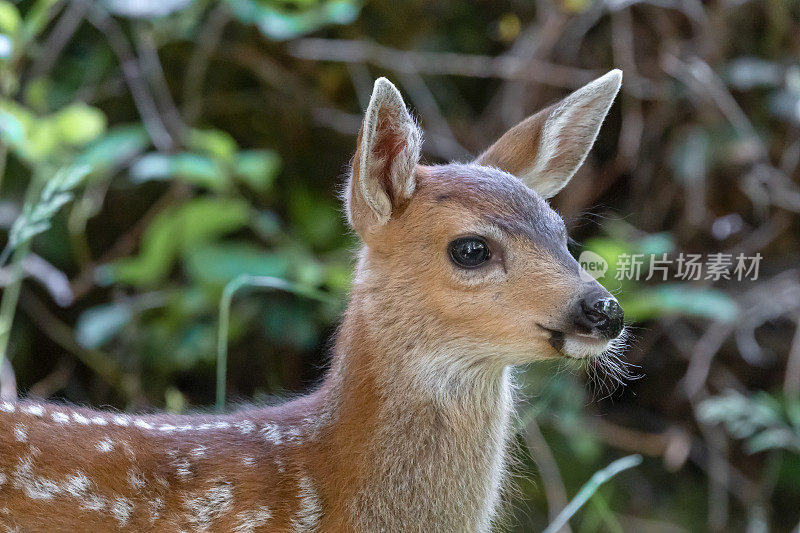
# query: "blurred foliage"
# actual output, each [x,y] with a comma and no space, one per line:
[764,421]
[153,153]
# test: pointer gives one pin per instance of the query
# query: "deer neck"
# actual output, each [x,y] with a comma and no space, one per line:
[436,431]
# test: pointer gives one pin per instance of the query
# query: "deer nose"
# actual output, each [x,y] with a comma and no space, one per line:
[602,314]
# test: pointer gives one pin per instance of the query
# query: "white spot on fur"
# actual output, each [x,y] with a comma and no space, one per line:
[166,428]
[80,419]
[33,487]
[156,505]
[120,420]
[294,435]
[136,479]
[272,433]
[34,409]
[99,421]
[93,502]
[129,450]
[248,460]
[199,451]
[203,510]
[78,486]
[3,479]
[245,427]
[248,521]
[310,511]
[21,433]
[142,424]
[7,407]
[59,417]
[121,509]
[183,469]
[105,445]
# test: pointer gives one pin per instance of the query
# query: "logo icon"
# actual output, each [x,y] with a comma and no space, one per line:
[593,266]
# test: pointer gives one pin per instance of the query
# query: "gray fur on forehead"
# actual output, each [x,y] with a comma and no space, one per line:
[500,197]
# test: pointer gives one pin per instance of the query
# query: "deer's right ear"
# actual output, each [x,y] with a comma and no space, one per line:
[388,149]
[546,149]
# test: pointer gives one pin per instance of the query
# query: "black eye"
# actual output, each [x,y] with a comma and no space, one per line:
[469,252]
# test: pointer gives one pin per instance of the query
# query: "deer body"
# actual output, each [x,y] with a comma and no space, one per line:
[409,429]
[373,461]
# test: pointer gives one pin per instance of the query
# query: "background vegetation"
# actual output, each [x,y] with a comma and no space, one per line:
[151,152]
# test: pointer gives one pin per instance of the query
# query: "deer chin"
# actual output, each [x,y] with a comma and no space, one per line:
[584,346]
[576,345]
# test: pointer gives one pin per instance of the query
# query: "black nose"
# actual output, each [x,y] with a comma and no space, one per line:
[602,314]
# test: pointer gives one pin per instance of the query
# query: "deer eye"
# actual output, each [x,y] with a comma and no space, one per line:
[469,252]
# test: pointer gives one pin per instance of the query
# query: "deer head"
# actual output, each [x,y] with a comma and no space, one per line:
[471,256]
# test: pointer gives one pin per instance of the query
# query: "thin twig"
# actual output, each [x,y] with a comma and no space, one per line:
[207,40]
[440,63]
[432,116]
[151,65]
[554,490]
[791,381]
[132,73]
[62,32]
[702,357]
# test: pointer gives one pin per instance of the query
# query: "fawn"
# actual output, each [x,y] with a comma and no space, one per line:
[463,273]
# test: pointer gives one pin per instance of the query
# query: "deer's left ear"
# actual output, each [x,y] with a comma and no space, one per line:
[383,168]
[546,149]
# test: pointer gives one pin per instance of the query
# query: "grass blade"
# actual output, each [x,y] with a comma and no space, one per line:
[263,282]
[586,492]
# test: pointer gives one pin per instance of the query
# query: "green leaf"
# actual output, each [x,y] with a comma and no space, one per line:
[676,299]
[98,325]
[215,143]
[119,145]
[79,124]
[15,125]
[155,259]
[12,130]
[6,46]
[36,18]
[773,438]
[205,219]
[174,231]
[278,24]
[655,243]
[35,218]
[192,168]
[257,168]
[145,8]
[9,18]
[219,263]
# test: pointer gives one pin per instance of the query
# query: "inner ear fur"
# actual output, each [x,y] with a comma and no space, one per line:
[388,149]
[546,149]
